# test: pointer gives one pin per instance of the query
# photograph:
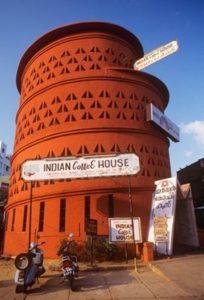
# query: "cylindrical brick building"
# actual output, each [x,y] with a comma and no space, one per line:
[79,95]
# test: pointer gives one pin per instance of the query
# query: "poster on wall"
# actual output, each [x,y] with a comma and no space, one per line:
[120,230]
[162,216]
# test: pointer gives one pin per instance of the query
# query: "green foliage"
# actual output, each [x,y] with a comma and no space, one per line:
[103,250]
[99,248]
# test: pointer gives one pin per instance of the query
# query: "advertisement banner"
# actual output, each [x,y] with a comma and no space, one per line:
[120,230]
[155,115]
[82,167]
[161,226]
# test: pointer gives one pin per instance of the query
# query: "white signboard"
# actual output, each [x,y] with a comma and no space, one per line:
[120,230]
[83,167]
[156,55]
[155,115]
[163,205]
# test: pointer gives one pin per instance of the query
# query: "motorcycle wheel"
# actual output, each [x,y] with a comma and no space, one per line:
[71,281]
[22,261]
[21,288]
[25,288]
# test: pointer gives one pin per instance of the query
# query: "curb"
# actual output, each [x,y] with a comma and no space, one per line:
[99,267]
[158,272]
[95,268]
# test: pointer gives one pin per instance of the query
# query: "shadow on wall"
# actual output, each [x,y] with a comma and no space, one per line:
[110,206]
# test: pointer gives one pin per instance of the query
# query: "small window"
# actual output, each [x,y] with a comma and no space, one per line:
[62,216]
[87,208]
[25,217]
[110,206]
[6,220]
[13,219]
[41,217]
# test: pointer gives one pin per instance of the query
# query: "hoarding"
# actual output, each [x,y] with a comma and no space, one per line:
[156,55]
[82,167]
[163,215]
[120,230]
[156,116]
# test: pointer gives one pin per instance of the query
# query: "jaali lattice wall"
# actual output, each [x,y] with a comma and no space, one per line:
[80,96]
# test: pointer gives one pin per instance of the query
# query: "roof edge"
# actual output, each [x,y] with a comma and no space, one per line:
[79,27]
[161,86]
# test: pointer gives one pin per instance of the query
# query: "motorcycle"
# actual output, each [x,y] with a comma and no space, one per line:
[29,267]
[69,262]
[70,269]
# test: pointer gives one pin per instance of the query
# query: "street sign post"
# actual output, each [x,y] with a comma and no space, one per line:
[156,55]
[91,227]
[91,230]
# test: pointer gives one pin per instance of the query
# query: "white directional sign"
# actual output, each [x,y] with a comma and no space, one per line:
[156,55]
[82,167]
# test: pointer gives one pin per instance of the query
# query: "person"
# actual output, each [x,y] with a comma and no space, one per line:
[65,249]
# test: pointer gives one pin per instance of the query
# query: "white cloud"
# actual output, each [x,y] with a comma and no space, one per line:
[196,130]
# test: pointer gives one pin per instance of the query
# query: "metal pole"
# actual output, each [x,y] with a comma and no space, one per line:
[132,218]
[30,215]
[126,253]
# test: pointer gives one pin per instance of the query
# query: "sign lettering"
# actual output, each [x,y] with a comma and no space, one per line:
[161,227]
[120,230]
[156,55]
[156,116]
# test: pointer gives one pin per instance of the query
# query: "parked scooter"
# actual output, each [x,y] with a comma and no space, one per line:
[29,267]
[69,262]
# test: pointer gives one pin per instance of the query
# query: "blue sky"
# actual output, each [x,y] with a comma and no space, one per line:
[153,22]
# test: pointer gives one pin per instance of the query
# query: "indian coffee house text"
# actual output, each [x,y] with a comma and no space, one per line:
[124,232]
[86,165]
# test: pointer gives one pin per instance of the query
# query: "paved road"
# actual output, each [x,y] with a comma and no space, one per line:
[104,285]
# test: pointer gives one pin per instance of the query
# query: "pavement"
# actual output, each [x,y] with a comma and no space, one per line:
[185,271]
[179,277]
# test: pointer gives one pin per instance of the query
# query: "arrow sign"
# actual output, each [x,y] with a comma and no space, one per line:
[156,55]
